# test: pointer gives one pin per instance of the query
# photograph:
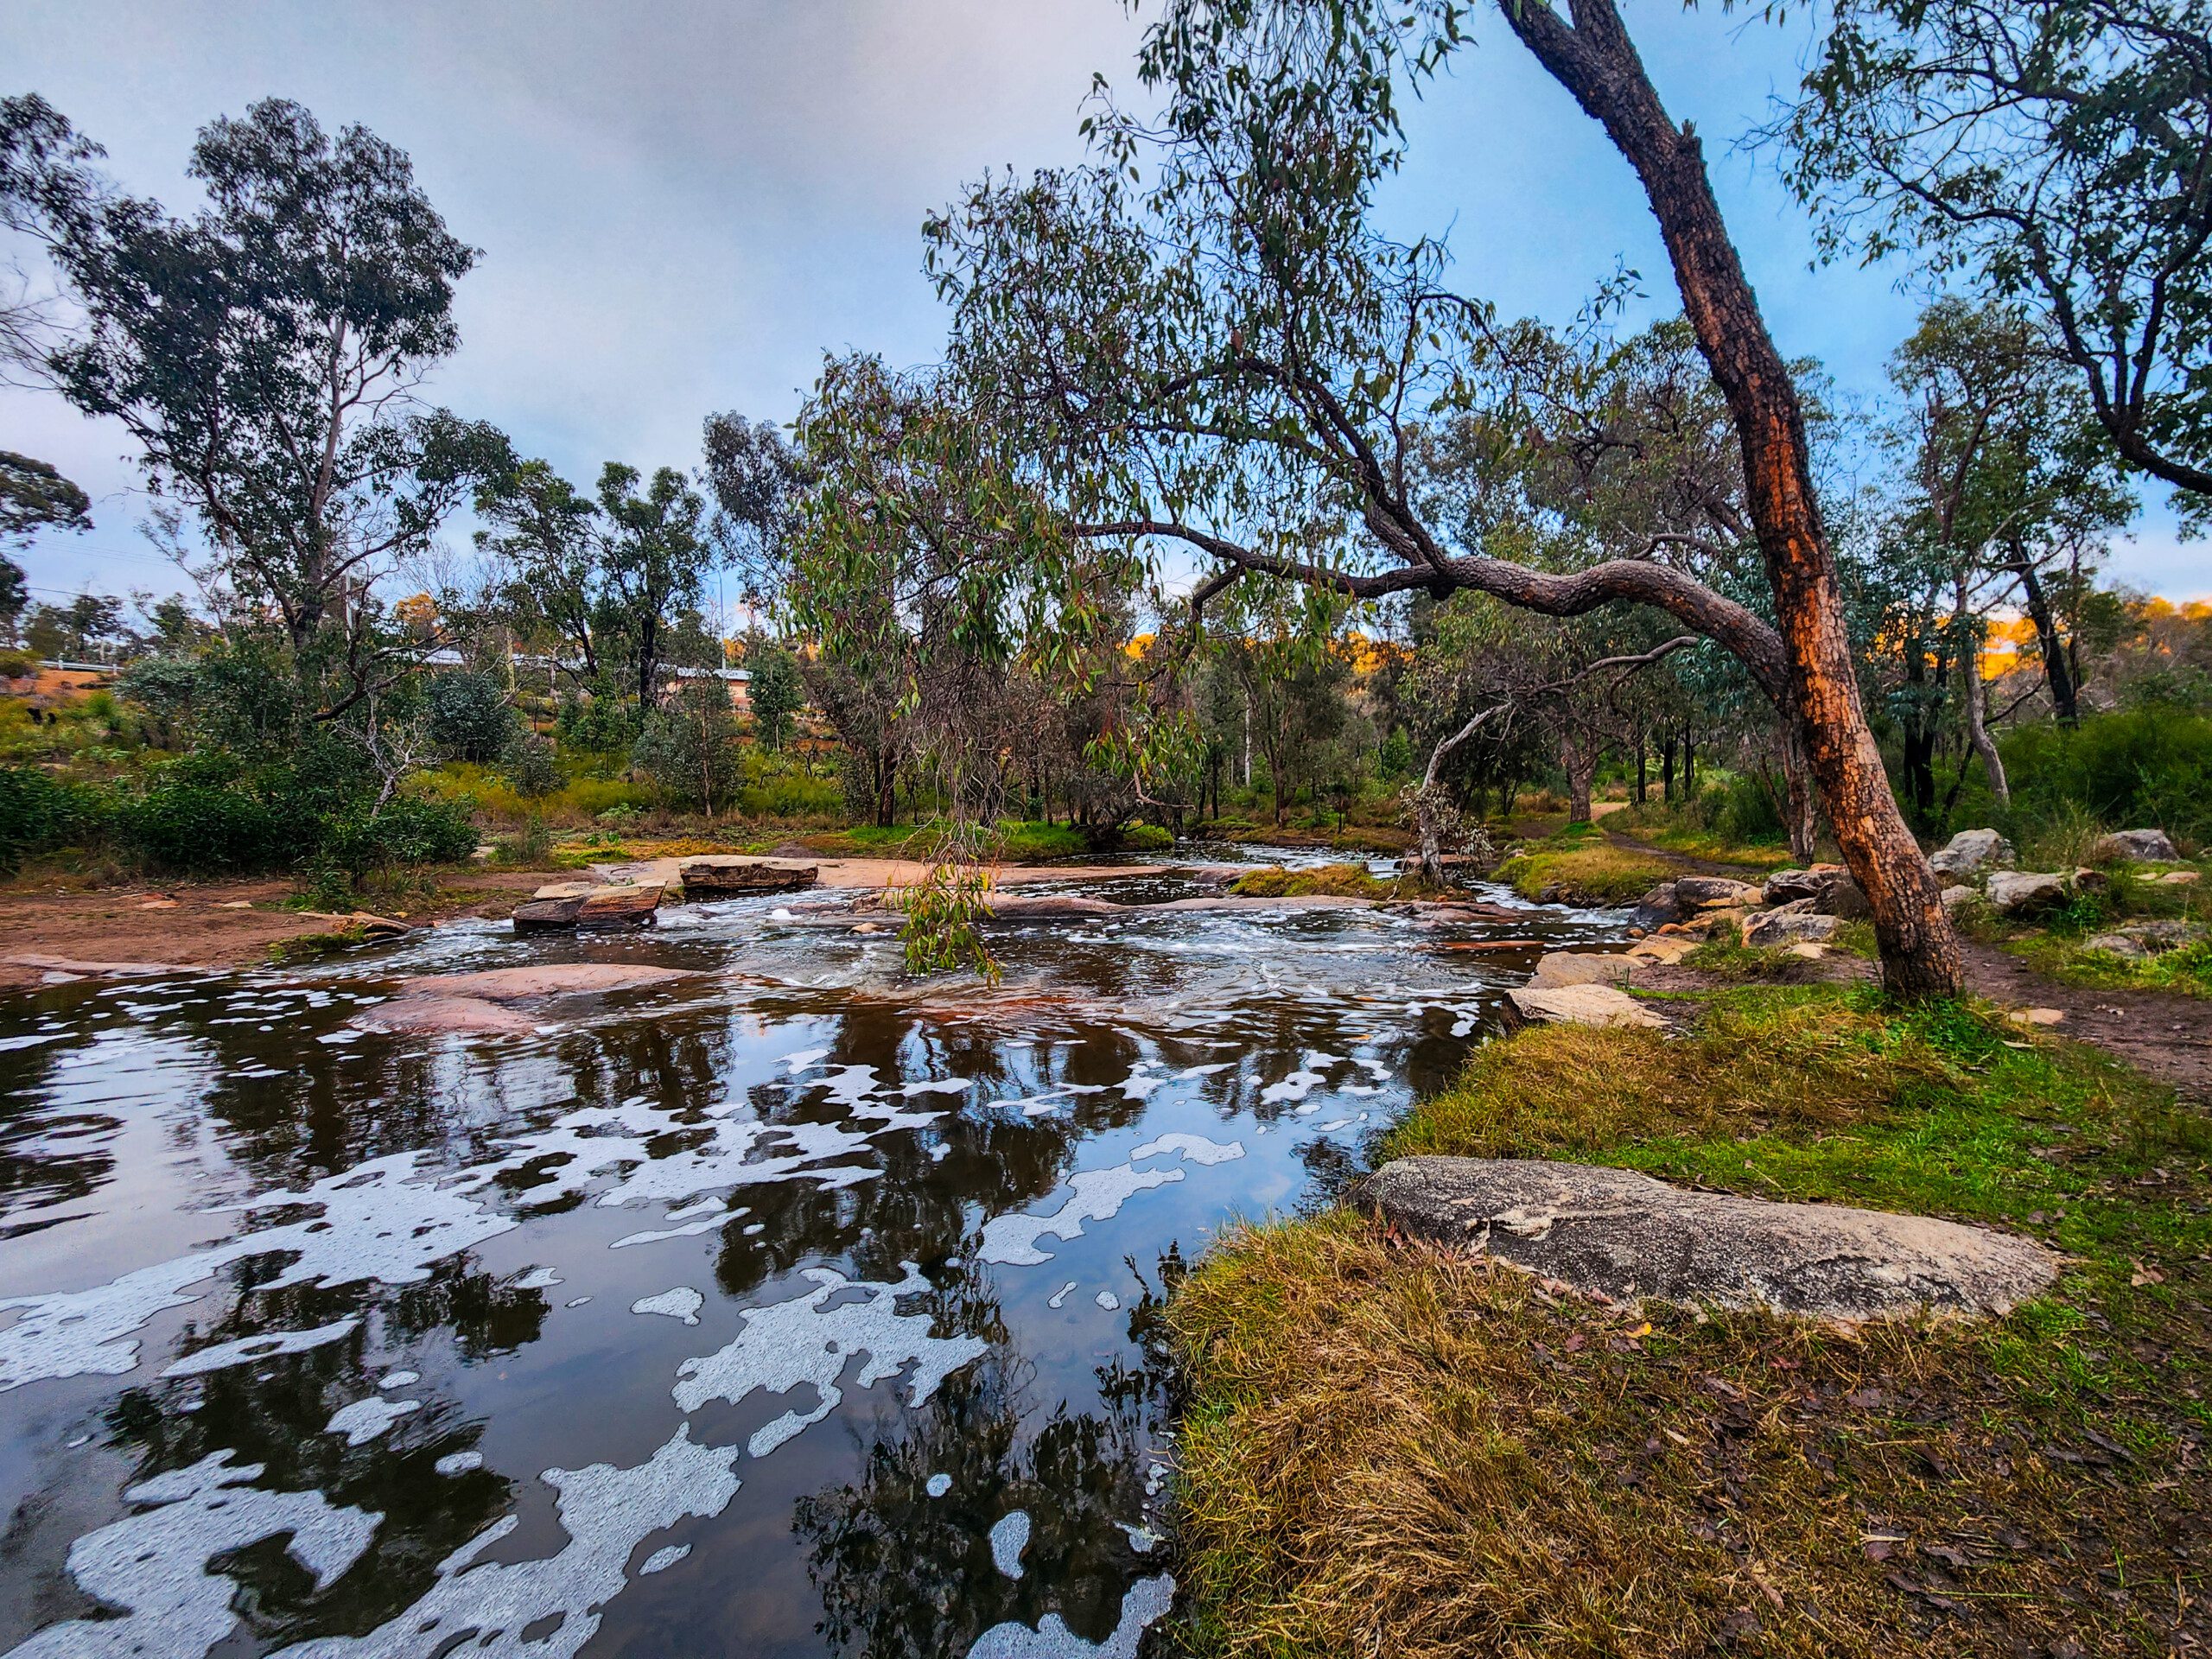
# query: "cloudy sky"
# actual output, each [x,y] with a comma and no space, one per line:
[682,203]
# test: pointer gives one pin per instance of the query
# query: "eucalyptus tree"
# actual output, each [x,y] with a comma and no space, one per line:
[264,354]
[2005,488]
[655,557]
[2058,154]
[543,534]
[1231,360]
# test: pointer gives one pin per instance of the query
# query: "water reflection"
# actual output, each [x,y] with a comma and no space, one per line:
[730,1314]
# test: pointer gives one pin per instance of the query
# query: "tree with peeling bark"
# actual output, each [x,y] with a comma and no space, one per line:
[1230,362]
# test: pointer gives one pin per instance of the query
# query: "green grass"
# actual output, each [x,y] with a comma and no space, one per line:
[1333,880]
[1389,1449]
[1661,826]
[1579,865]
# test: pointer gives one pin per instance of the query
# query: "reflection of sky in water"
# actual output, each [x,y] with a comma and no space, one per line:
[756,1312]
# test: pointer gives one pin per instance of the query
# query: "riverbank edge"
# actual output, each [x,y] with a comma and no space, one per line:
[1387,1448]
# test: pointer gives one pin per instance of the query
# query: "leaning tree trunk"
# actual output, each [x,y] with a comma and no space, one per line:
[1596,61]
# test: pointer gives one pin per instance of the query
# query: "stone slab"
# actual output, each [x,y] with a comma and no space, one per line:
[1626,1236]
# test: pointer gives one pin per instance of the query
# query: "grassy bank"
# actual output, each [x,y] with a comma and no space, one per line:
[1391,1451]
[1578,865]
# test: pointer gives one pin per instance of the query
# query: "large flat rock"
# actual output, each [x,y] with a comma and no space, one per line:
[720,875]
[1626,1236]
[1558,967]
[584,905]
[543,979]
[1581,1005]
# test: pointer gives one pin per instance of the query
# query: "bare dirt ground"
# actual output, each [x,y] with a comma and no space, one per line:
[214,925]
[197,923]
[2160,1033]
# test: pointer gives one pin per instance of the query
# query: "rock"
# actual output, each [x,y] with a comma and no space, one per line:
[1828,887]
[1581,968]
[1777,927]
[1957,899]
[2179,879]
[588,906]
[547,979]
[2023,892]
[1662,948]
[2163,935]
[2086,880]
[1626,1236]
[1806,949]
[1714,893]
[375,926]
[1656,908]
[2115,944]
[417,1016]
[1971,852]
[2134,847]
[1581,1005]
[720,875]
[2037,1016]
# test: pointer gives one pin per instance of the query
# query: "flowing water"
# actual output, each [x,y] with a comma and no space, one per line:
[789,1307]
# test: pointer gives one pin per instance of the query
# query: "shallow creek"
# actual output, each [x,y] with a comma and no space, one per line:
[792,1308]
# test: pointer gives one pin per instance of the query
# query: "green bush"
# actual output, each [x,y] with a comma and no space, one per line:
[469,717]
[2135,769]
[1145,838]
[401,831]
[40,812]
[180,824]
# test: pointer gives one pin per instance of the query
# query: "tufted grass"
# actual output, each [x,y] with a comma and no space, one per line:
[1389,1449]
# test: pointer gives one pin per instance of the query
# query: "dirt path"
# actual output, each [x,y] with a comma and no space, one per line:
[2161,1034]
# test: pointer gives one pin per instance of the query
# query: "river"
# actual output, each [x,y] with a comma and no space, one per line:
[791,1306]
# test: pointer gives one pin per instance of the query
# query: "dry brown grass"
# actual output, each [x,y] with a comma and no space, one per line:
[1400,1453]
[1390,1450]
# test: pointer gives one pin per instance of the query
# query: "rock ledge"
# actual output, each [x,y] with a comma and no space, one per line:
[1626,1236]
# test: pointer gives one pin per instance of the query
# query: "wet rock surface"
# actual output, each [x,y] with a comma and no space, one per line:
[1626,1236]
[720,875]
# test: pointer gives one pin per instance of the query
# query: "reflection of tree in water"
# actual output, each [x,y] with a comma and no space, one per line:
[903,1575]
[273,1412]
[49,1154]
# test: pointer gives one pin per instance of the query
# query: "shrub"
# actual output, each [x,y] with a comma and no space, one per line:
[689,747]
[2134,769]
[183,823]
[401,831]
[40,812]
[1145,838]
[469,717]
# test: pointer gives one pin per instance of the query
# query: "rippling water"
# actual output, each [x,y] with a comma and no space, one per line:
[791,1307]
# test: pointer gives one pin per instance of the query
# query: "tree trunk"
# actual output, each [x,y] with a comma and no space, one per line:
[2056,671]
[1643,766]
[1596,62]
[1667,769]
[1804,801]
[1579,762]
[1971,689]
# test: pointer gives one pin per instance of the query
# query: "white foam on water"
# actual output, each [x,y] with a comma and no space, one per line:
[1147,1599]
[1296,1086]
[1192,1148]
[458,1463]
[538,1278]
[682,1303]
[154,1563]
[267,1346]
[364,1419]
[1094,1195]
[398,1379]
[1009,1537]
[786,1343]
[607,1511]
[1108,1300]
[938,1485]
[664,1558]
[1061,1295]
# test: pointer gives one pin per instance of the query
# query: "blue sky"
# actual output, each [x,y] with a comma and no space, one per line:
[683,204]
